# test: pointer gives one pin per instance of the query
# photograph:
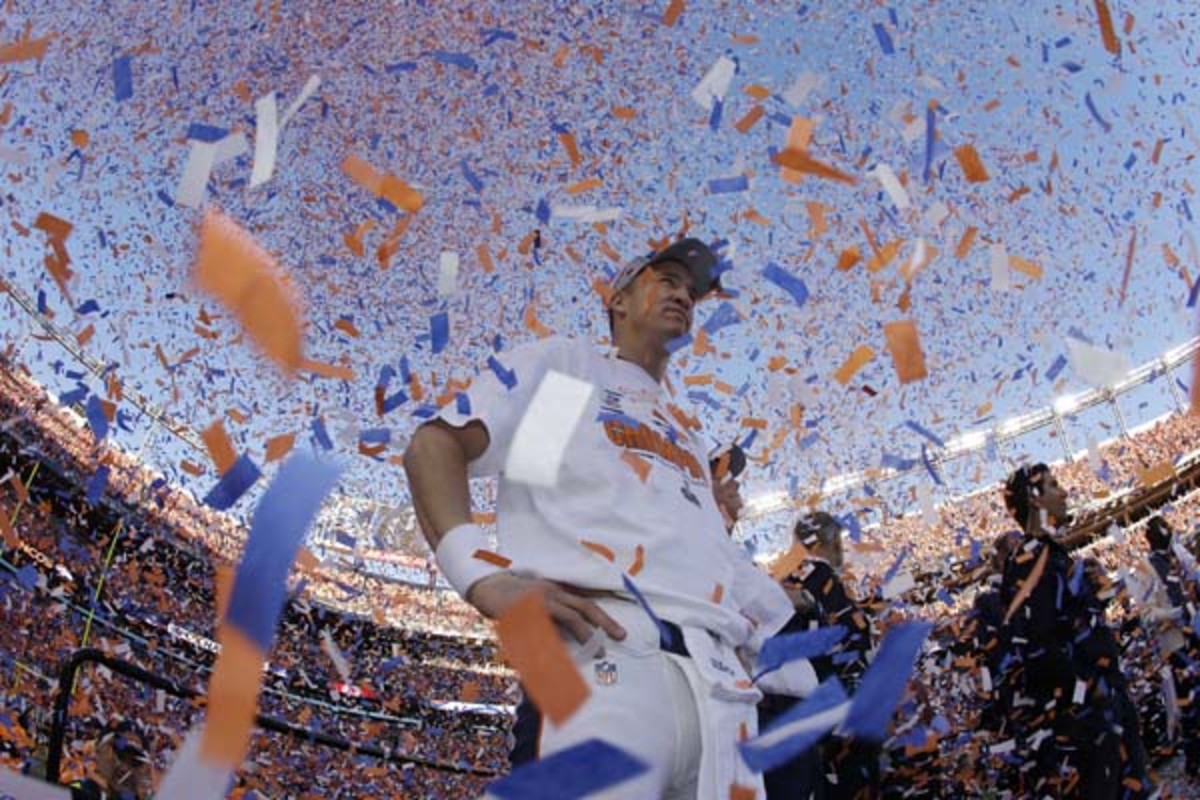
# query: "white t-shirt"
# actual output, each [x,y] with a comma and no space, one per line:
[691,573]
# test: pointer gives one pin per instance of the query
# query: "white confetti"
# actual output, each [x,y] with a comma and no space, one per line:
[715,83]
[447,274]
[546,429]
[891,184]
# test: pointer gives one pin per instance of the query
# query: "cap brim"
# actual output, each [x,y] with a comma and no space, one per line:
[693,254]
[696,256]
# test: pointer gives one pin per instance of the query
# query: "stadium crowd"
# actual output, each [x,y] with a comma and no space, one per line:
[135,573]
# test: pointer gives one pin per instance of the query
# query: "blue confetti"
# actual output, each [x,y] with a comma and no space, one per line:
[470,176]
[97,420]
[1091,106]
[462,404]
[322,435]
[884,681]
[735,183]
[87,307]
[375,436]
[505,376]
[283,516]
[885,39]
[97,484]
[460,60]
[439,331]
[233,484]
[785,647]
[920,429]
[723,317]
[211,134]
[664,634]
[788,282]
[1056,367]
[122,72]
[569,774]
[800,728]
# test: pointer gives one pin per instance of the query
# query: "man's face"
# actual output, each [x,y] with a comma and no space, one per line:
[1052,498]
[659,302]
[728,494]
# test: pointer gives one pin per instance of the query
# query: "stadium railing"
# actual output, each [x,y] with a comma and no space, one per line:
[88,655]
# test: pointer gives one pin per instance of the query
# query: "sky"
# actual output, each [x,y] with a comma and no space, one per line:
[551,141]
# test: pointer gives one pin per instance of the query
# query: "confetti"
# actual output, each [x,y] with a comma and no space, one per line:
[904,344]
[532,645]
[800,728]
[235,270]
[546,428]
[884,681]
[576,772]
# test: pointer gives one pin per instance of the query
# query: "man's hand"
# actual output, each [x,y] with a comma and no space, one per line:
[569,607]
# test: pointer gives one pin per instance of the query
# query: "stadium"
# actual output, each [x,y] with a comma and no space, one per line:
[247,263]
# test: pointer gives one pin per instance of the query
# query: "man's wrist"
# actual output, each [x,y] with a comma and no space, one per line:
[464,557]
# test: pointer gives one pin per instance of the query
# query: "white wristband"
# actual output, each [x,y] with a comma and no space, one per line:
[456,557]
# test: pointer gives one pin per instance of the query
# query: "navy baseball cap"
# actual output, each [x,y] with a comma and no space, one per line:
[691,253]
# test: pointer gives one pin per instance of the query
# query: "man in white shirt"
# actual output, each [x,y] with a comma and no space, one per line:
[632,510]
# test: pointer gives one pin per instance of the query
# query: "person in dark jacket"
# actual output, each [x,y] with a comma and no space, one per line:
[1040,671]
[1178,640]
[821,600]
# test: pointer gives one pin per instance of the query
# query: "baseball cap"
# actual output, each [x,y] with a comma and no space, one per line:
[692,253]
[734,458]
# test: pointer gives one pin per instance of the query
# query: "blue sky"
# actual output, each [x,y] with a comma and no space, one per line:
[1087,152]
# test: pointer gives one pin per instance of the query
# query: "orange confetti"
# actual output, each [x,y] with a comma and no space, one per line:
[584,185]
[849,257]
[777,363]
[697,380]
[905,346]
[220,448]
[533,324]
[483,517]
[80,138]
[671,15]
[568,142]
[739,792]
[604,552]
[232,699]
[1028,267]
[1107,32]
[494,559]
[752,116]
[718,593]
[24,50]
[965,242]
[816,216]
[485,258]
[802,162]
[235,270]
[391,245]
[640,465]
[884,255]
[757,91]
[280,446]
[389,187]
[223,586]
[1027,587]
[306,561]
[970,163]
[347,327]
[531,644]
[639,561]
[856,361]
[11,540]
[755,423]
[320,368]
[191,468]
[85,335]
[624,112]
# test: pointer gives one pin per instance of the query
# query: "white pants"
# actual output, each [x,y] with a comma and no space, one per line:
[661,710]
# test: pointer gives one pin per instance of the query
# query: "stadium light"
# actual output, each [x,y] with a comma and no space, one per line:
[1066,404]
[968,441]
